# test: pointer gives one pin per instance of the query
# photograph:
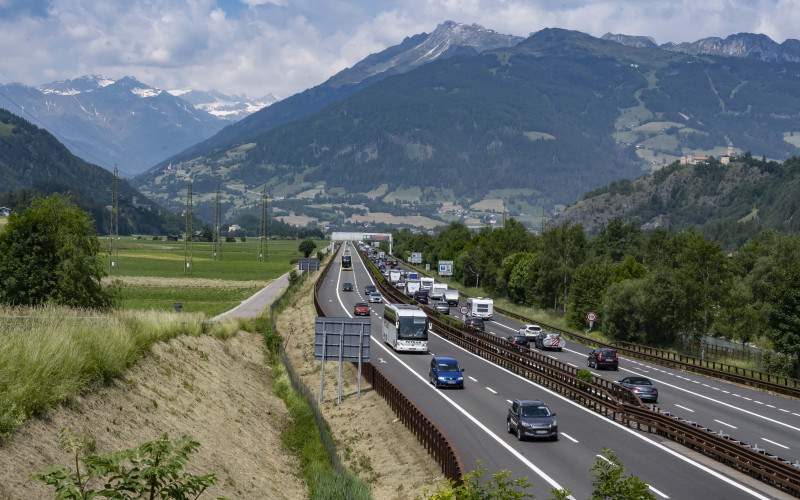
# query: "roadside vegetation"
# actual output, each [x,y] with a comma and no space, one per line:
[51,354]
[656,288]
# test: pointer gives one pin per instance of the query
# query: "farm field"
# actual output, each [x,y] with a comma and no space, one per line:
[154,274]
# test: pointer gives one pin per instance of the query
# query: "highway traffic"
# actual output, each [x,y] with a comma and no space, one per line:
[475,418]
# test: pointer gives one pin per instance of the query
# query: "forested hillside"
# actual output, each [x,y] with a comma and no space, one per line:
[535,126]
[654,288]
[33,163]
[729,203]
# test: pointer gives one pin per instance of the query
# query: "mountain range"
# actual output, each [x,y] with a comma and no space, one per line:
[125,122]
[530,125]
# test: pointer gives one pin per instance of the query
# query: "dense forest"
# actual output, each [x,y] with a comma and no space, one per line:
[656,288]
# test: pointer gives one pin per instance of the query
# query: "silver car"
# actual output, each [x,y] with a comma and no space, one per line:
[375,297]
[442,307]
[642,387]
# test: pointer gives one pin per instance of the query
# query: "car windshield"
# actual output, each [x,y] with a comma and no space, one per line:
[448,366]
[362,304]
[535,411]
[639,381]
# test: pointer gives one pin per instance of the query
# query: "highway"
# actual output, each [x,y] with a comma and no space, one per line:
[474,418]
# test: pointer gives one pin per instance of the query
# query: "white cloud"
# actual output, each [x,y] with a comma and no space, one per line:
[281,46]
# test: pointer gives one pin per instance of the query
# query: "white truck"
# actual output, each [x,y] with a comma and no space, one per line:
[480,307]
[451,296]
[437,291]
[395,275]
[426,284]
[411,287]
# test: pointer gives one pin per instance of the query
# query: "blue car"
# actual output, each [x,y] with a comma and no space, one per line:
[446,372]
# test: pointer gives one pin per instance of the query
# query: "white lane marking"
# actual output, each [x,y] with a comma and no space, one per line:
[491,390]
[726,392]
[685,408]
[786,411]
[530,464]
[657,492]
[758,402]
[796,414]
[763,417]
[623,428]
[473,379]
[770,406]
[776,444]
[724,423]
[748,399]
[604,458]
[568,437]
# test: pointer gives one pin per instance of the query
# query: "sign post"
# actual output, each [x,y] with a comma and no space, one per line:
[591,317]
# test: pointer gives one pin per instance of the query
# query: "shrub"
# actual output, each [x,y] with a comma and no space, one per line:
[586,376]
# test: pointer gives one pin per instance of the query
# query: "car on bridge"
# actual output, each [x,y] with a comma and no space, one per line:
[642,387]
[442,307]
[520,340]
[530,331]
[361,309]
[603,357]
[476,323]
[531,418]
[548,340]
[446,372]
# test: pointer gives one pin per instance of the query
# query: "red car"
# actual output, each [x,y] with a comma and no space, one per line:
[362,309]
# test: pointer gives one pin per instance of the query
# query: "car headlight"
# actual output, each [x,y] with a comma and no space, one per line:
[526,425]
[460,379]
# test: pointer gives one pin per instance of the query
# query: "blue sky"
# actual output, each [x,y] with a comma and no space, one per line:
[258,47]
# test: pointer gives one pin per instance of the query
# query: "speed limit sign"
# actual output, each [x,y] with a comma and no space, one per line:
[464,310]
[591,316]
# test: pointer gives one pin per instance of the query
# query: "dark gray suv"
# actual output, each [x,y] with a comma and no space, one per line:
[531,418]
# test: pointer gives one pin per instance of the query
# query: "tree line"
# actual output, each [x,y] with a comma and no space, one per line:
[656,288]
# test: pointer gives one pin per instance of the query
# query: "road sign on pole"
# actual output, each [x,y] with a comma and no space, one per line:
[464,310]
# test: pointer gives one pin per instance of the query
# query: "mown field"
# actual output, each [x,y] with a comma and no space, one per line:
[154,274]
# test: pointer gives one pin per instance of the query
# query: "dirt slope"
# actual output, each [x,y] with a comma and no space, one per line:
[220,393]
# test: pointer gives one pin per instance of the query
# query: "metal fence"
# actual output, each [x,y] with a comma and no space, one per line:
[615,401]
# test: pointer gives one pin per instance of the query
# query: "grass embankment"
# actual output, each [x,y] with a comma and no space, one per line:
[302,435]
[49,355]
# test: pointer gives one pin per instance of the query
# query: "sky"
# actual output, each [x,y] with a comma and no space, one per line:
[258,47]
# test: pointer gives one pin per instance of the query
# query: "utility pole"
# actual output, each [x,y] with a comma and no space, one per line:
[217,241]
[188,244]
[113,232]
[262,233]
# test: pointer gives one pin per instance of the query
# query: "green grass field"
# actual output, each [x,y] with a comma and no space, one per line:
[154,274]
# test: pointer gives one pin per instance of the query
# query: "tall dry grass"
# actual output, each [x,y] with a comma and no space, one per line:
[50,354]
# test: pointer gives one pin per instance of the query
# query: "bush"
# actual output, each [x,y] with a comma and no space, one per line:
[154,470]
[780,363]
[294,277]
[230,239]
[586,376]
[243,239]
[156,238]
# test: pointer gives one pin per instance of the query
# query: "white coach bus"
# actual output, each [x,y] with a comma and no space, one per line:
[405,327]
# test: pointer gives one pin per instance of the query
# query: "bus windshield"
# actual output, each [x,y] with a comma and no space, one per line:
[413,329]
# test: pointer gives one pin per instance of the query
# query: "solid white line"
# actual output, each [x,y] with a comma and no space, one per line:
[685,408]
[530,464]
[568,437]
[725,404]
[776,444]
[724,423]
[658,492]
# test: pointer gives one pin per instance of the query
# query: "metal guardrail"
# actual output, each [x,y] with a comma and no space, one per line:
[614,401]
[426,431]
[777,383]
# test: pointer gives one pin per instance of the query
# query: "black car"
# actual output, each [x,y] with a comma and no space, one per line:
[531,418]
[421,296]
[347,287]
[476,323]
[442,307]
[520,340]
[369,289]
[603,357]
[642,387]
